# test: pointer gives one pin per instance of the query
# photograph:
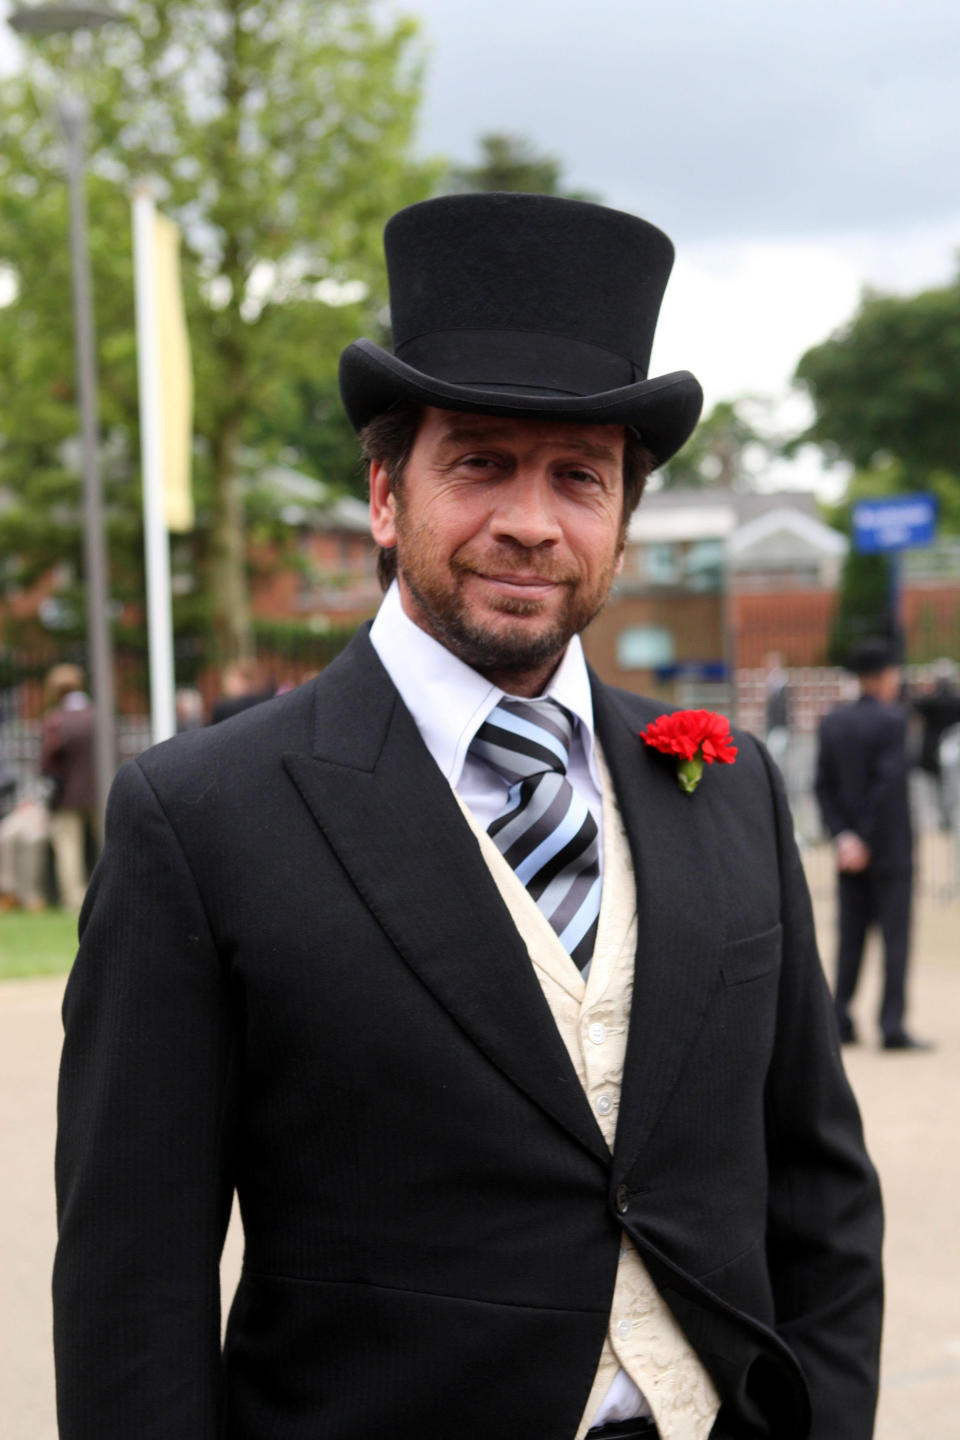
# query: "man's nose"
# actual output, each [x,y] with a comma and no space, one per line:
[526,511]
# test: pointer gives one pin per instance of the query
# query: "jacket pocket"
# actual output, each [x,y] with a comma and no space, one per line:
[752,957]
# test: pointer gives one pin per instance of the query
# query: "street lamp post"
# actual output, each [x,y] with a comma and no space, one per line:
[72,117]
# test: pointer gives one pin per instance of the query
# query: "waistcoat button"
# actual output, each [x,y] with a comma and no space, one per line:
[623,1200]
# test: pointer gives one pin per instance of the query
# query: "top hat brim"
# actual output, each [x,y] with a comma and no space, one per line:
[664,410]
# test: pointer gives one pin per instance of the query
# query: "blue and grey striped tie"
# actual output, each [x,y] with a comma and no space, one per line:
[547,833]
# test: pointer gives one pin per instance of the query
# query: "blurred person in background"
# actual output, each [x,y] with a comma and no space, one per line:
[188,704]
[241,690]
[8,771]
[24,836]
[776,709]
[861,788]
[24,841]
[939,710]
[67,762]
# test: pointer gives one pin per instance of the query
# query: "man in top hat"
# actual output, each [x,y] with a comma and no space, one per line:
[861,788]
[519,1058]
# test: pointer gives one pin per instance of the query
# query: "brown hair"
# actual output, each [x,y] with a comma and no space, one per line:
[389,437]
[63,679]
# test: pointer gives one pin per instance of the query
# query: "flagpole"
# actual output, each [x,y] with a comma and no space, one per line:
[155,537]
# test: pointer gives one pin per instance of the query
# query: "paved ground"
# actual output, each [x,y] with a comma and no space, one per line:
[909,1106]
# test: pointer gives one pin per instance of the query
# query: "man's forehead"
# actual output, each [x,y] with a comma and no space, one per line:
[458,427]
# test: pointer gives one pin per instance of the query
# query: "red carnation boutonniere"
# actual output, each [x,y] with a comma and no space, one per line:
[694,736]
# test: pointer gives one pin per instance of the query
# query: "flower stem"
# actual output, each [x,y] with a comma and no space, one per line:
[689,772]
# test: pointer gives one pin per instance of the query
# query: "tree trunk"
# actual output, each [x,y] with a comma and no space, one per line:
[229,592]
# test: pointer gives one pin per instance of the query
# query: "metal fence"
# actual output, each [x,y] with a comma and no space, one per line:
[284,656]
[813,691]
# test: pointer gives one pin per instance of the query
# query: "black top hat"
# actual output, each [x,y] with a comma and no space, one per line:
[872,656]
[525,305]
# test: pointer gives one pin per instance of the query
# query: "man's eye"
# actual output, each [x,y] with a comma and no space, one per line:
[478,462]
[581,477]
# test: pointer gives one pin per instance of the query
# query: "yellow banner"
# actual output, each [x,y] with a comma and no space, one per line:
[176,378]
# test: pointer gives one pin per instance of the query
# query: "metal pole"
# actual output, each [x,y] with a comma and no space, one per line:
[71,112]
[895,591]
[156,539]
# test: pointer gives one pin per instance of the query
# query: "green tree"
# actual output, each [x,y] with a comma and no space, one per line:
[512,162]
[279,136]
[863,605]
[722,451]
[884,390]
[864,592]
[884,387]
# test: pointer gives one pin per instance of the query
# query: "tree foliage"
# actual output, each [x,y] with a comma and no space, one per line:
[279,136]
[885,387]
[724,450]
[512,162]
[884,391]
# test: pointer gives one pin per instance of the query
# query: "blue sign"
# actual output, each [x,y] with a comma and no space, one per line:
[693,670]
[895,522]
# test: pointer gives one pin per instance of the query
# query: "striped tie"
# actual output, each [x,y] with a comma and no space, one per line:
[547,832]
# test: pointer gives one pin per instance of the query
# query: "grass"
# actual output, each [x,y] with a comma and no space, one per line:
[43,944]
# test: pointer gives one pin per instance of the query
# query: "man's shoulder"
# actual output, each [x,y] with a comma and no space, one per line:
[245,749]
[636,709]
[641,710]
[841,718]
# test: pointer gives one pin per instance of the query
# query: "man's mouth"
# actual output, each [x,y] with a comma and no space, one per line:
[530,586]
[508,579]
[518,579]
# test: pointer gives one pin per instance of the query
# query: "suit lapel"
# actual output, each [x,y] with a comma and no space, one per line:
[389,814]
[672,839]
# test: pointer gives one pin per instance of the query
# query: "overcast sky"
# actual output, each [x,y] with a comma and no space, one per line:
[794,150]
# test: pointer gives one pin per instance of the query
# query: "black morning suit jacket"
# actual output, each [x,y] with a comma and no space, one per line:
[296,977]
[861,780]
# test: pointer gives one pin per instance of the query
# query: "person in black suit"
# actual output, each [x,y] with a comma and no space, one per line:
[861,788]
[505,1167]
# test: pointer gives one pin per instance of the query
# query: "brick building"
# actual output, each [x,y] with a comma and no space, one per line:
[330,581]
[712,580]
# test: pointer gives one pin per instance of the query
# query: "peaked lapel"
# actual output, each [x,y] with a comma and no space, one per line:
[672,838]
[390,815]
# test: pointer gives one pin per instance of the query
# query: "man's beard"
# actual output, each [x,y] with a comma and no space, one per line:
[436,584]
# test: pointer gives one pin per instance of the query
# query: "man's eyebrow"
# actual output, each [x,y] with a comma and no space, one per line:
[468,435]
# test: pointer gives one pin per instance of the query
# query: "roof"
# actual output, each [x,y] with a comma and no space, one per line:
[303,498]
[784,520]
[711,512]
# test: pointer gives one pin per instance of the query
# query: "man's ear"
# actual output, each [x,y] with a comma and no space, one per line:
[619,565]
[382,506]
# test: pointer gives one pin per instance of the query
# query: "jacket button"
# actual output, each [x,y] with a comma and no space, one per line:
[623,1200]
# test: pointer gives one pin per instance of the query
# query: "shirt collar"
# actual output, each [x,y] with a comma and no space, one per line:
[449,701]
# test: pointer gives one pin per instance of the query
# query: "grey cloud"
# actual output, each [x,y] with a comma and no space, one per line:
[716,119]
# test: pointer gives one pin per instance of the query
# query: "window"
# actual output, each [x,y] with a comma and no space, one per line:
[662,565]
[644,647]
[704,565]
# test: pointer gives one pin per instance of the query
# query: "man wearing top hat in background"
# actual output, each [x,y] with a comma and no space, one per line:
[519,1057]
[862,791]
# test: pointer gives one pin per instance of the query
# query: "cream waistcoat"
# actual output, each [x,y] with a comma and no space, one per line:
[643,1339]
